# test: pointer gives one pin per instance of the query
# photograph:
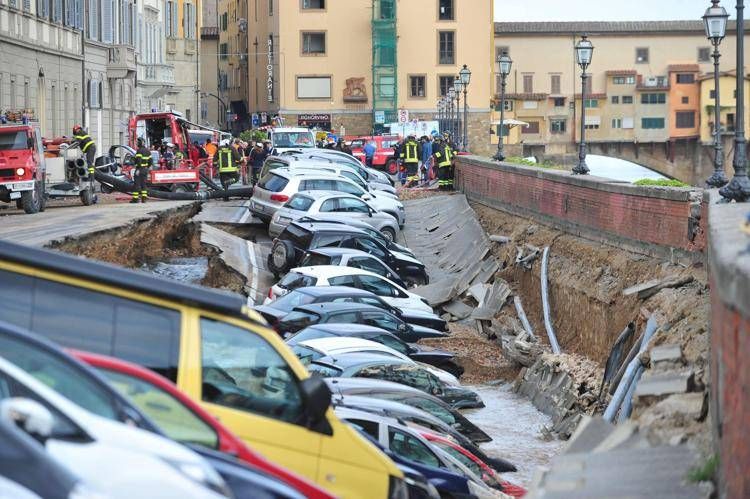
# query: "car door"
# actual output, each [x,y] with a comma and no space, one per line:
[382,320]
[381,287]
[243,380]
[373,265]
[355,209]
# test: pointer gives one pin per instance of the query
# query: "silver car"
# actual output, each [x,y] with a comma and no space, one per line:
[336,205]
[369,174]
[278,186]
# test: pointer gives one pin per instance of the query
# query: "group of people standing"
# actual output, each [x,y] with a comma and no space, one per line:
[418,156]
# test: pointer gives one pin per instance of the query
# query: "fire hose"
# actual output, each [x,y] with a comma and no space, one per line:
[126,186]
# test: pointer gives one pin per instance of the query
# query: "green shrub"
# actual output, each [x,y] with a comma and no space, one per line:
[662,182]
[517,160]
[253,135]
[705,471]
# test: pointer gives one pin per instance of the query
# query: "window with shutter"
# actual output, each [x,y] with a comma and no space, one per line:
[27,5]
[79,14]
[107,21]
[555,84]
[94,19]
[57,11]
[528,84]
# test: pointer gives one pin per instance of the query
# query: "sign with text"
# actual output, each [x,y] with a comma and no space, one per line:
[403,116]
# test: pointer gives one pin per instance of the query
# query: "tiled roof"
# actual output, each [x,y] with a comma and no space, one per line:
[593,27]
[618,72]
[523,96]
[683,67]
[593,96]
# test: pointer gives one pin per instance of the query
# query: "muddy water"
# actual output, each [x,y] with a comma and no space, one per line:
[187,270]
[514,424]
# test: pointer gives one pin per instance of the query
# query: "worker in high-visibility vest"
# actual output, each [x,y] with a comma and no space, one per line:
[410,153]
[140,173]
[444,161]
[227,158]
[87,145]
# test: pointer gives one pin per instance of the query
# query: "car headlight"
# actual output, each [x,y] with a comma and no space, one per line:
[397,488]
[20,172]
[201,474]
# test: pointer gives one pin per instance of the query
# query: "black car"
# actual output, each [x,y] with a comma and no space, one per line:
[353,313]
[277,309]
[374,388]
[420,353]
[85,387]
[358,224]
[385,367]
[298,238]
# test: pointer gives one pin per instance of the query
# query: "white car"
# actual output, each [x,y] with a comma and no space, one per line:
[336,205]
[286,138]
[275,188]
[343,344]
[120,461]
[369,174]
[333,275]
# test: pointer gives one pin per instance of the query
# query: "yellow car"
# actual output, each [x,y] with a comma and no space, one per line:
[208,343]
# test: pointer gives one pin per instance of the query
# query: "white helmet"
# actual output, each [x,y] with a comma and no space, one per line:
[224,143]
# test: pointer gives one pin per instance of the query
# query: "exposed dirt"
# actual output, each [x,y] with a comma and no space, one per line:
[482,359]
[169,235]
[405,193]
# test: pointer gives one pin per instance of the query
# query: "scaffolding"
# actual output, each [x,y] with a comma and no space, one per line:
[384,70]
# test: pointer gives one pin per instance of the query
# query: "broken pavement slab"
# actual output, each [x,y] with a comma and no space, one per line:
[650,288]
[231,212]
[666,353]
[664,383]
[494,301]
[458,309]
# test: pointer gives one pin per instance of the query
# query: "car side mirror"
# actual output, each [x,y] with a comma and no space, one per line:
[29,415]
[317,399]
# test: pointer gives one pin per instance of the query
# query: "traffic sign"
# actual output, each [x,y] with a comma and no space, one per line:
[403,116]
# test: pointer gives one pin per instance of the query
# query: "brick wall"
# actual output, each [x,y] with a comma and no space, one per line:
[646,219]
[729,271]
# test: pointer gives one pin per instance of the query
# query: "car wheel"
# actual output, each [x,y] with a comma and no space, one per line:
[282,256]
[389,234]
[31,201]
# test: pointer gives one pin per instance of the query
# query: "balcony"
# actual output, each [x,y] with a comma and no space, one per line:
[121,61]
[158,78]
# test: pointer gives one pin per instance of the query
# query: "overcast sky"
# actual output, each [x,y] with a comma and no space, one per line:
[603,10]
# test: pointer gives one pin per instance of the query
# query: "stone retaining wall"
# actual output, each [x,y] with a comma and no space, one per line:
[658,221]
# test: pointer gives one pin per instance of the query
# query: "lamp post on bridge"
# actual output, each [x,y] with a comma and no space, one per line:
[584,51]
[715,20]
[465,77]
[457,88]
[505,63]
[739,188]
[452,115]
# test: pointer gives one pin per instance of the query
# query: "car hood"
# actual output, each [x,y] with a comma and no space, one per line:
[424,351]
[395,247]
[272,315]
[403,258]
[461,397]
[427,332]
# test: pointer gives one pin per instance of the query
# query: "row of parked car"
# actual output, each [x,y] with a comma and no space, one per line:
[343,305]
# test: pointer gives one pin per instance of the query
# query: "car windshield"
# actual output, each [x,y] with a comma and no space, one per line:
[13,140]
[405,374]
[293,280]
[306,354]
[178,421]
[324,370]
[309,334]
[313,259]
[273,183]
[291,300]
[299,203]
[296,140]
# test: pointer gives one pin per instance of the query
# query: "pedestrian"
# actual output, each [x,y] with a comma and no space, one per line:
[210,148]
[227,158]
[347,148]
[369,151]
[257,157]
[426,158]
[444,161]
[87,145]
[410,154]
[194,153]
[168,156]
[140,173]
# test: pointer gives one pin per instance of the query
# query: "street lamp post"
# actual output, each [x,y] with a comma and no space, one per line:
[715,20]
[739,188]
[457,87]
[465,76]
[505,63]
[584,50]
[439,108]
[452,115]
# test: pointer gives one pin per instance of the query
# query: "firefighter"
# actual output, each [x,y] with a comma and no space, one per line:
[87,145]
[444,161]
[227,158]
[142,165]
[410,153]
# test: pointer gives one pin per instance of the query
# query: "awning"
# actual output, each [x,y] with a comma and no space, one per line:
[510,122]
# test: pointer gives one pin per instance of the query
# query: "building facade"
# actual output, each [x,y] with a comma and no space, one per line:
[644,84]
[350,66]
[155,75]
[234,50]
[182,23]
[212,115]
[41,62]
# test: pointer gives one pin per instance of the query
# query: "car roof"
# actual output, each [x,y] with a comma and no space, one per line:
[330,307]
[290,173]
[379,385]
[330,271]
[328,227]
[290,129]
[339,342]
[353,224]
[125,279]
[334,290]
[343,328]
[354,359]
[340,251]
[365,403]
[323,194]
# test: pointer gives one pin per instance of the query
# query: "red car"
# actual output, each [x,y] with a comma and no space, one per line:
[475,464]
[151,392]
[383,159]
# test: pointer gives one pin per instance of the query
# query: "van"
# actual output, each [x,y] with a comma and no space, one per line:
[211,345]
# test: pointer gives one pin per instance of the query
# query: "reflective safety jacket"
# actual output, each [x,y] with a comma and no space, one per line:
[410,152]
[143,158]
[225,157]
[84,141]
[443,156]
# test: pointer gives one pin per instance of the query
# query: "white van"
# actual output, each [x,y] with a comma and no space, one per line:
[291,138]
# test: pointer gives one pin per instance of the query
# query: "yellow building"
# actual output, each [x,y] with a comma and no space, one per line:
[641,86]
[352,65]
[727,103]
